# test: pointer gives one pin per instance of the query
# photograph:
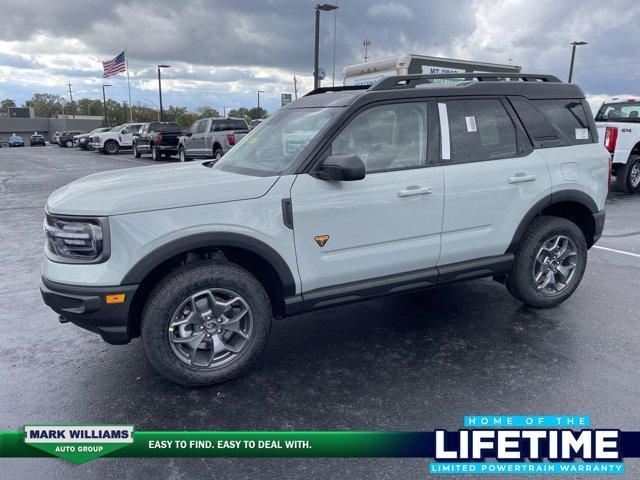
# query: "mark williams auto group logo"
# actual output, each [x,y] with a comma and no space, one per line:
[78,444]
[527,445]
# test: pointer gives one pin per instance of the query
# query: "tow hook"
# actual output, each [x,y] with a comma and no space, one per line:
[61,319]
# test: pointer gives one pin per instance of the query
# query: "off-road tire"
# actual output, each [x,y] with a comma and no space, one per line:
[623,181]
[177,286]
[155,154]
[136,153]
[520,281]
[111,147]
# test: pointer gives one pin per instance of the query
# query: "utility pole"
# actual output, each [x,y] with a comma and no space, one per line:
[259,92]
[295,87]
[104,105]
[71,98]
[366,44]
[573,56]
[124,107]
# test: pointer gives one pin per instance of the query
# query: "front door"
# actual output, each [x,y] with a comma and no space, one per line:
[389,223]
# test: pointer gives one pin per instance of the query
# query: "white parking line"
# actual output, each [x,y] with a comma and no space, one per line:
[617,251]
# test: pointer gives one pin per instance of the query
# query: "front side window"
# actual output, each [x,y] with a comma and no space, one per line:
[275,146]
[480,130]
[202,126]
[387,137]
[619,112]
[568,117]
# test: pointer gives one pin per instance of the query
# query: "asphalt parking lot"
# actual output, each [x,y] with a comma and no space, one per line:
[412,362]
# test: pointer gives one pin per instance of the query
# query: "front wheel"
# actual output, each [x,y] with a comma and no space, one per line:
[111,147]
[182,155]
[69,143]
[136,153]
[205,323]
[549,263]
[155,154]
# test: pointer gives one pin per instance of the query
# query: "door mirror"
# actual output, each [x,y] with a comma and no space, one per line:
[341,168]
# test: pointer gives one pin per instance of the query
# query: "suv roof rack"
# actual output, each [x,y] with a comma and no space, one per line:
[337,89]
[411,81]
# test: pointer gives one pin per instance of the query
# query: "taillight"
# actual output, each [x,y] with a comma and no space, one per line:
[157,138]
[231,139]
[610,138]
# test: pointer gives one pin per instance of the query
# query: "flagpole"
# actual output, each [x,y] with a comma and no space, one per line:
[126,60]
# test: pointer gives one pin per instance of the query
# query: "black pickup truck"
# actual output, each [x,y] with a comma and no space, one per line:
[158,139]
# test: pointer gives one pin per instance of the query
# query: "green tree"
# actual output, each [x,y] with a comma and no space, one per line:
[181,115]
[257,112]
[241,112]
[46,104]
[88,106]
[5,105]
[144,114]
[206,112]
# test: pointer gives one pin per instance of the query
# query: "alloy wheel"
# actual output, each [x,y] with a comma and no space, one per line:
[555,265]
[210,328]
[634,175]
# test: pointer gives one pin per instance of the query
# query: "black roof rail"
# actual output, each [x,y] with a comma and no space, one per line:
[410,81]
[337,89]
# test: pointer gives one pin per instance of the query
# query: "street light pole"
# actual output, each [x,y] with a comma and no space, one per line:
[259,92]
[325,7]
[160,115]
[573,56]
[104,104]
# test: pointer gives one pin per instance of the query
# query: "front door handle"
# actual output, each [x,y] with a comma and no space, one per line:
[414,190]
[521,177]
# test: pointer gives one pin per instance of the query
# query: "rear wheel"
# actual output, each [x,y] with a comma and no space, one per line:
[111,147]
[628,176]
[205,323]
[217,152]
[549,263]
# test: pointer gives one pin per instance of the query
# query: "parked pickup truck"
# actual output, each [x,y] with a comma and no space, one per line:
[618,122]
[211,138]
[158,139]
[115,139]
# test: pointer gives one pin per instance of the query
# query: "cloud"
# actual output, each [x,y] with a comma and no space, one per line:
[223,51]
[389,10]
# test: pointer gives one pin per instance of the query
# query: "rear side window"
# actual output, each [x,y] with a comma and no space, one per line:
[221,125]
[620,112]
[480,130]
[568,117]
[165,127]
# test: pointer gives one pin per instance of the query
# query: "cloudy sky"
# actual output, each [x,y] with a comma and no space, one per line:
[222,52]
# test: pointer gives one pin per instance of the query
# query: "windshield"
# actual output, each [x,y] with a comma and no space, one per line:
[273,146]
[619,112]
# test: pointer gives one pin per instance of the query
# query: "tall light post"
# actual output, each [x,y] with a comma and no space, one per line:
[573,56]
[325,7]
[104,104]
[160,91]
[366,44]
[259,92]
[224,112]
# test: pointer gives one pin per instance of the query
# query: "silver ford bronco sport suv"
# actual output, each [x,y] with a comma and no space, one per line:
[345,194]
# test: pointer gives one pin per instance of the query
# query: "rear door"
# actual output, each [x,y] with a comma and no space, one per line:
[492,177]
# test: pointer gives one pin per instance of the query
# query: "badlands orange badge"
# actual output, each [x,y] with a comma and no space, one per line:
[321,240]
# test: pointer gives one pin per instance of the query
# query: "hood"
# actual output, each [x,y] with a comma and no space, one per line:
[154,188]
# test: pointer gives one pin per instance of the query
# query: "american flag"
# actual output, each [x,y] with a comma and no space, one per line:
[111,67]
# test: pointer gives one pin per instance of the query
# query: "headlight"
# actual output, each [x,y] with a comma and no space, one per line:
[76,239]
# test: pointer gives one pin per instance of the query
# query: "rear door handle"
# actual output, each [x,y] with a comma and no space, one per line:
[521,177]
[414,190]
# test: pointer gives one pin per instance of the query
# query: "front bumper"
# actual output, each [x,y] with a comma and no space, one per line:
[95,146]
[86,307]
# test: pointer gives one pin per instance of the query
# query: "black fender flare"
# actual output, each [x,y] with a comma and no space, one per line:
[212,239]
[568,195]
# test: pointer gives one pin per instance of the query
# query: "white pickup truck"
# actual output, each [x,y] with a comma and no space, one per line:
[618,122]
[115,139]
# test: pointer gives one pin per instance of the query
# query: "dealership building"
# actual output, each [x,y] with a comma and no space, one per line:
[22,123]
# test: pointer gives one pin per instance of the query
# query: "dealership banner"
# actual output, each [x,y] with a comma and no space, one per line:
[486,445]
